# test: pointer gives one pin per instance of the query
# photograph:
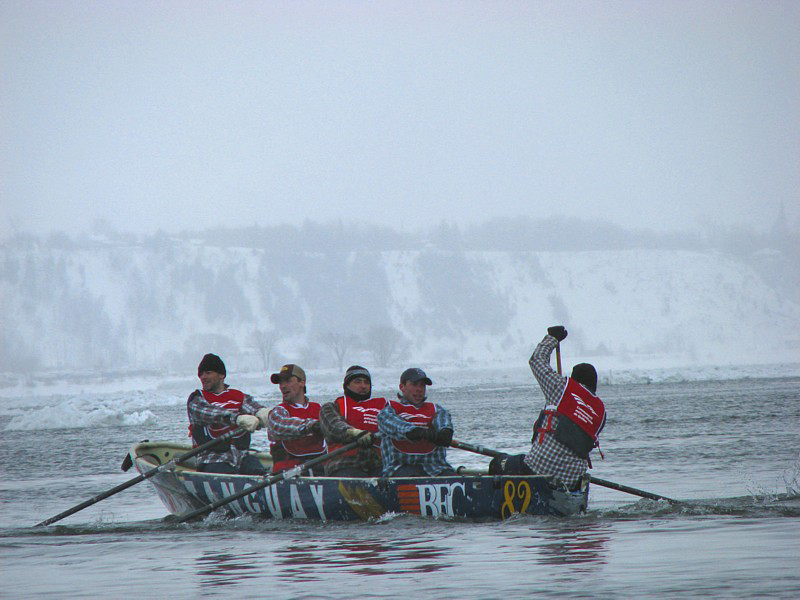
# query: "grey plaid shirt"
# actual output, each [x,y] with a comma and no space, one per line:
[202,413]
[549,456]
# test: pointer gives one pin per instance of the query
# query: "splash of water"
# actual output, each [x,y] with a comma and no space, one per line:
[791,478]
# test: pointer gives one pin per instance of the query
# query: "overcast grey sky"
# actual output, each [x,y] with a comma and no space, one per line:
[187,115]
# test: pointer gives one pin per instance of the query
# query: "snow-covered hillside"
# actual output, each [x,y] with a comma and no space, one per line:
[128,306]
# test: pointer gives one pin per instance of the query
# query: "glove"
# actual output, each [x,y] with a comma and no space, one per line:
[316,428]
[443,437]
[263,415]
[352,433]
[558,332]
[498,465]
[249,422]
[364,441]
[422,433]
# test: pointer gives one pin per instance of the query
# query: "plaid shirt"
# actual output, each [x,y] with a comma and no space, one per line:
[203,413]
[283,426]
[549,456]
[334,427]
[392,426]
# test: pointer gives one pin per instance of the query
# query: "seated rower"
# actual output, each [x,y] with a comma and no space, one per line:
[293,426]
[345,418]
[569,426]
[215,411]
[414,432]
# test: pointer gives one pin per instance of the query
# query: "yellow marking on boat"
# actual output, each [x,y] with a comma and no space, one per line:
[361,501]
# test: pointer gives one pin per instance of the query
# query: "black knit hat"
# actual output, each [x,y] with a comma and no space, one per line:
[585,374]
[211,362]
[356,371]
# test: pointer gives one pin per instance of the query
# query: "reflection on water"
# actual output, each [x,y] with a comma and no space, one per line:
[224,568]
[313,561]
[414,549]
[361,557]
[585,546]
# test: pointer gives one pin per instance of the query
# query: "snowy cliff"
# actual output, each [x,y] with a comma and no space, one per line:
[120,305]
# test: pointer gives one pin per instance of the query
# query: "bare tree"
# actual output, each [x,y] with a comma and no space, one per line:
[264,341]
[339,344]
[385,344]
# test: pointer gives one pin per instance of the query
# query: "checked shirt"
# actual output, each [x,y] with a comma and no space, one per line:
[392,426]
[551,457]
[202,413]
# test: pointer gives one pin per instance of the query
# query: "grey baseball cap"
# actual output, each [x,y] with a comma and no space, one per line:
[414,375]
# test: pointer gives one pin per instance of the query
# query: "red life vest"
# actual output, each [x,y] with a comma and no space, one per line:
[582,409]
[421,416]
[288,453]
[231,400]
[361,415]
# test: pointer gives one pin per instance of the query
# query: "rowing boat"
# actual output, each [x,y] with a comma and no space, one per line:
[467,495]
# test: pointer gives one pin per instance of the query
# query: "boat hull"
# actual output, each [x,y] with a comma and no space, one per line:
[473,497]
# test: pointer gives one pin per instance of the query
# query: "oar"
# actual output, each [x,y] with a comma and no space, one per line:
[630,490]
[271,480]
[477,449]
[558,357]
[142,477]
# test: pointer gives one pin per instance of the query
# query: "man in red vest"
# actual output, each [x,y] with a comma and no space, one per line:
[345,418]
[569,426]
[293,426]
[215,411]
[414,433]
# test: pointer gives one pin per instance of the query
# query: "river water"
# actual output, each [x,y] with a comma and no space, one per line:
[730,449]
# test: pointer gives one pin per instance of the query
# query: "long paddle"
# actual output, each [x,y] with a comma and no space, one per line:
[142,477]
[268,481]
[611,484]
[477,449]
[558,357]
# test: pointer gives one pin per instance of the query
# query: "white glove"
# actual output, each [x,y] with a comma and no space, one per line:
[249,422]
[263,415]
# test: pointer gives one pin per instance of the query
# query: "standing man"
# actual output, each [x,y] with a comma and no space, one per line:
[569,426]
[293,426]
[414,432]
[345,418]
[215,411]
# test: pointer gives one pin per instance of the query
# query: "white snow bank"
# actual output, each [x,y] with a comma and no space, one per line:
[77,416]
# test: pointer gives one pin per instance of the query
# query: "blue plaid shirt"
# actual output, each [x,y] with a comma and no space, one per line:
[392,426]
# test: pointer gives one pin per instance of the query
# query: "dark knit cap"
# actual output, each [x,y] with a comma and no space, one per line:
[585,374]
[356,371]
[211,362]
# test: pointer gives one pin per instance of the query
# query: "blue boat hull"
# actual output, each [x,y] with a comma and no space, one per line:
[481,497]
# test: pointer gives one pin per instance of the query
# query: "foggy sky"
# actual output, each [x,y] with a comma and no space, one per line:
[191,115]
